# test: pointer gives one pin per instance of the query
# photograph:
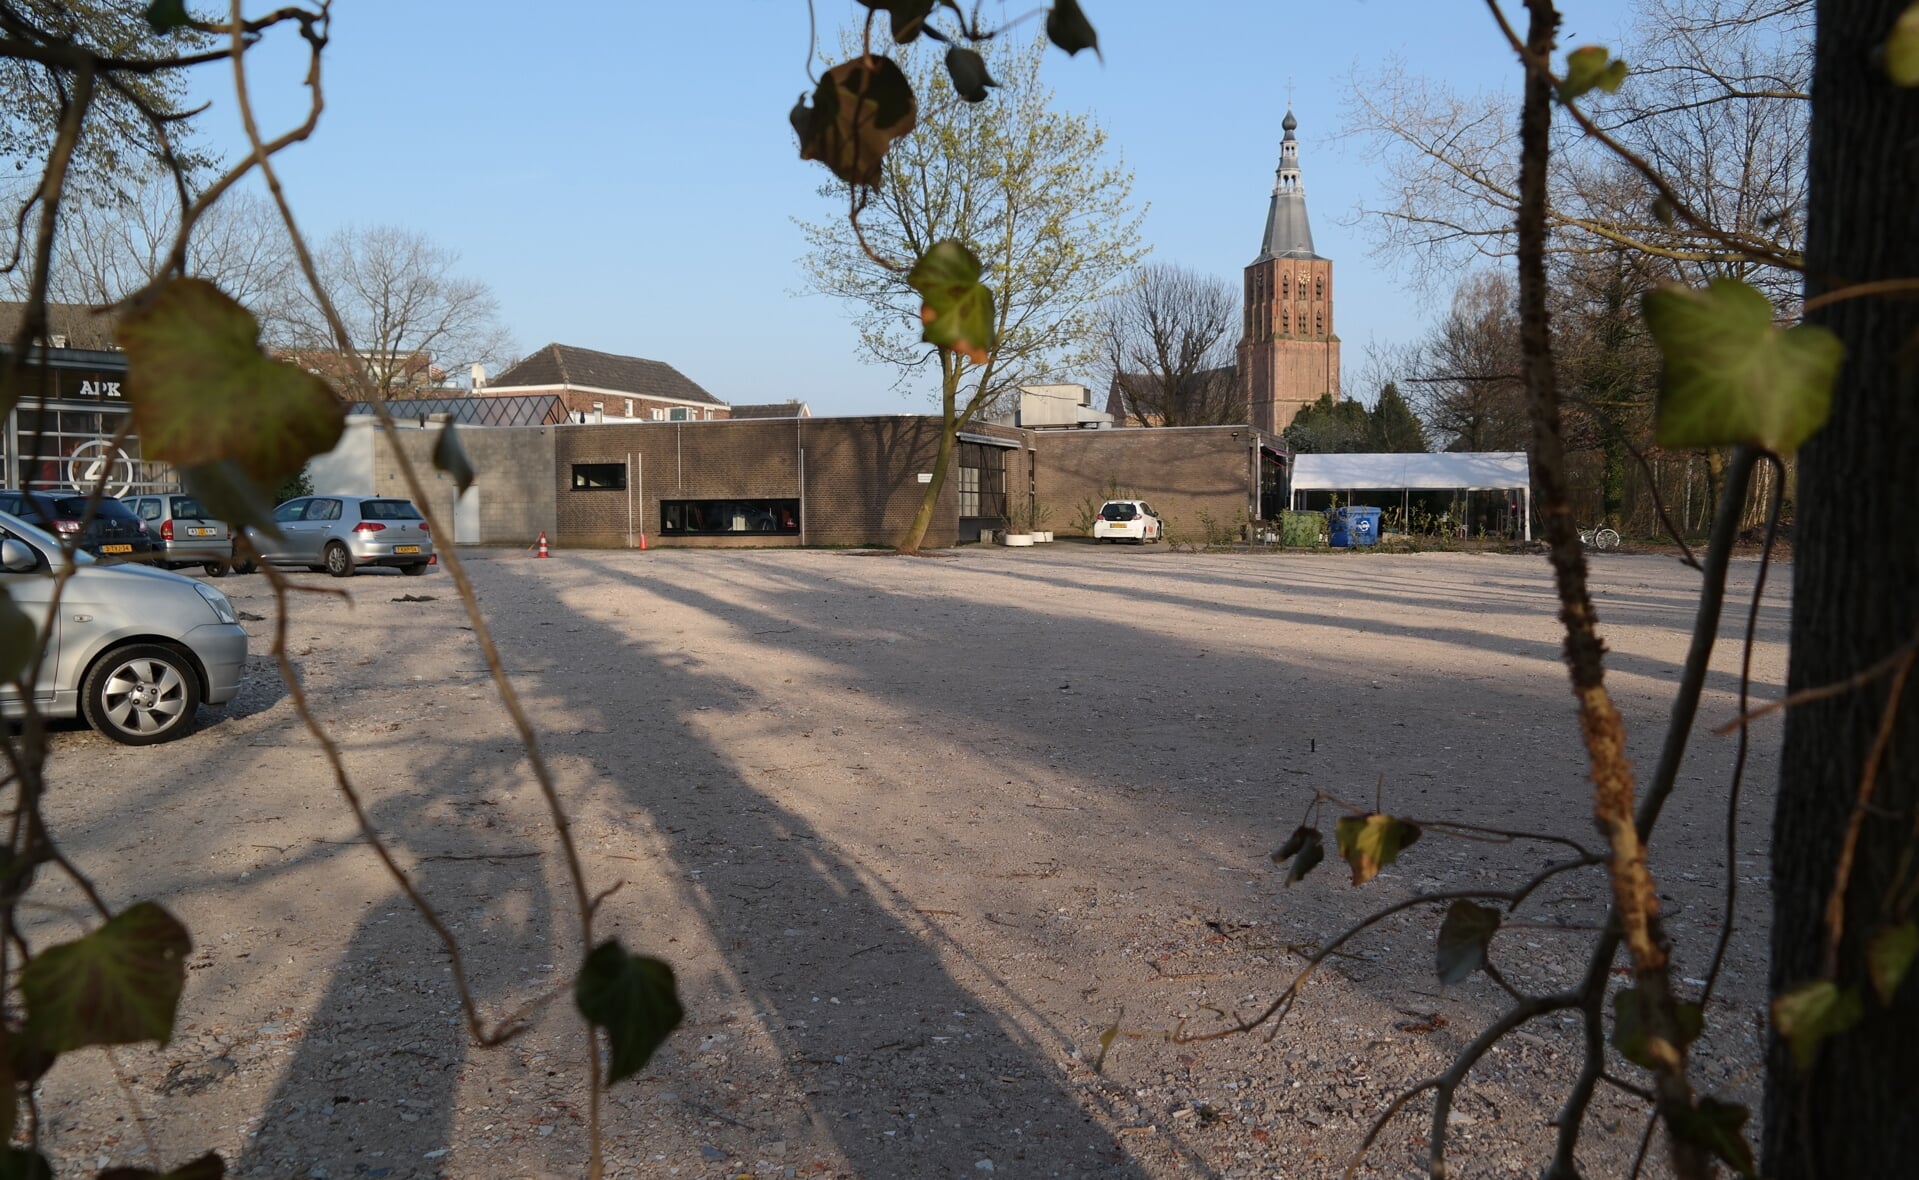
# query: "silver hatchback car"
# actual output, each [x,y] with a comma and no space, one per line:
[135,650]
[184,533]
[340,534]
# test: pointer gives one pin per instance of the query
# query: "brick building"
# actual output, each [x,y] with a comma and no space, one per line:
[820,481]
[1289,353]
[597,386]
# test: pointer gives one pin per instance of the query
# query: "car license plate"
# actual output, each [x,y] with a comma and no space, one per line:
[199,532]
[116,548]
[406,548]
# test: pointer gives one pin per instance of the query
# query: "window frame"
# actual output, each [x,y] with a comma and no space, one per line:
[582,479]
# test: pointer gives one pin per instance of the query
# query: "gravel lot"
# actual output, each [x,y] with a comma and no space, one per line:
[913,833]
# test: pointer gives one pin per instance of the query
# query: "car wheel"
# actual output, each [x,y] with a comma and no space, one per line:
[217,569]
[413,571]
[141,694]
[245,567]
[339,562]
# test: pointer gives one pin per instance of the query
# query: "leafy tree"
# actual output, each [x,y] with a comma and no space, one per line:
[1394,426]
[1330,428]
[1166,344]
[411,318]
[1045,218]
[124,120]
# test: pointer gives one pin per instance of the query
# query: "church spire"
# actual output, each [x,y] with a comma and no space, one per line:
[1288,233]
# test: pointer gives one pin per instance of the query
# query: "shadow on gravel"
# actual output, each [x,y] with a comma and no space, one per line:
[375,1081]
[872,1061]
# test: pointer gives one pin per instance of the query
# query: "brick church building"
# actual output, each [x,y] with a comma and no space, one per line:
[1289,353]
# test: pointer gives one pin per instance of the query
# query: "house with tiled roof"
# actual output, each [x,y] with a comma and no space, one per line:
[597,386]
[790,408]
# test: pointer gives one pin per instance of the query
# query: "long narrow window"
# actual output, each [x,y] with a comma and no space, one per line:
[712,518]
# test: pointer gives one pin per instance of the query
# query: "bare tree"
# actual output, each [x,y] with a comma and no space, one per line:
[1715,102]
[1167,347]
[1468,389]
[110,247]
[412,320]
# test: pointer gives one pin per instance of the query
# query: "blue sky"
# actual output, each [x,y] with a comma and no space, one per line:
[624,177]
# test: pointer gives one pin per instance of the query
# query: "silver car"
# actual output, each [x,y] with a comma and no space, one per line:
[135,650]
[184,534]
[340,534]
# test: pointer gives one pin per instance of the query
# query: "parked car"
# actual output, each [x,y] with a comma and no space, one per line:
[1128,520]
[113,533]
[134,650]
[341,534]
[185,533]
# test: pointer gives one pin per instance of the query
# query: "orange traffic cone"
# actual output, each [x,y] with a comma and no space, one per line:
[642,542]
[543,552]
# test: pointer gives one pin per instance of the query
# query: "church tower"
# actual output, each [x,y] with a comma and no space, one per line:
[1289,353]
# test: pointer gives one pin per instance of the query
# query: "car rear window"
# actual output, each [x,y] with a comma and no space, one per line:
[389,510]
[75,507]
[188,506]
[1119,510]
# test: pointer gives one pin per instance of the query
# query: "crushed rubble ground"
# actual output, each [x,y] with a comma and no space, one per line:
[914,834]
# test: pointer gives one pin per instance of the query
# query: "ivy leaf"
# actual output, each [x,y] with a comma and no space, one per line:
[1902,48]
[1719,1127]
[208,1167]
[1632,1025]
[449,455]
[166,16]
[20,1163]
[1068,28]
[968,71]
[958,308]
[1731,375]
[1588,68]
[231,496]
[1371,842]
[909,16]
[202,390]
[860,108]
[1464,938]
[1810,1013]
[633,998]
[19,641]
[1889,955]
[114,986]
[1306,848]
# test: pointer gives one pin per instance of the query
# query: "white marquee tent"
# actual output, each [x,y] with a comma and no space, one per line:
[1472,471]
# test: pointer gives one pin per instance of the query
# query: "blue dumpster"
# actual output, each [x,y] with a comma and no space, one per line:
[1354,526]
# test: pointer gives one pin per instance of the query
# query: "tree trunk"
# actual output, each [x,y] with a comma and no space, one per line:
[915,535]
[1855,600]
[1612,480]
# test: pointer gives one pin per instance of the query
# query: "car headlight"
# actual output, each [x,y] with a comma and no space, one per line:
[218,602]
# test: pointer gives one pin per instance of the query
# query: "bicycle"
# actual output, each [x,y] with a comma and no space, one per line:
[1601,538]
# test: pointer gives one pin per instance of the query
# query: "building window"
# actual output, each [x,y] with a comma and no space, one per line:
[1319,323]
[659,415]
[982,481]
[599,477]
[679,414]
[1286,321]
[713,518]
[1319,287]
[629,407]
[1285,287]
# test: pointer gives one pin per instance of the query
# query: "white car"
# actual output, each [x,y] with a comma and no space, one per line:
[1128,520]
[135,650]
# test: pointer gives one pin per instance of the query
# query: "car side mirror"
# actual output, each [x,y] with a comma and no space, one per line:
[18,557]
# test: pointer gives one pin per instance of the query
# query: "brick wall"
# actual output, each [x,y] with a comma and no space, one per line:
[1186,473]
[513,478]
[860,486]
